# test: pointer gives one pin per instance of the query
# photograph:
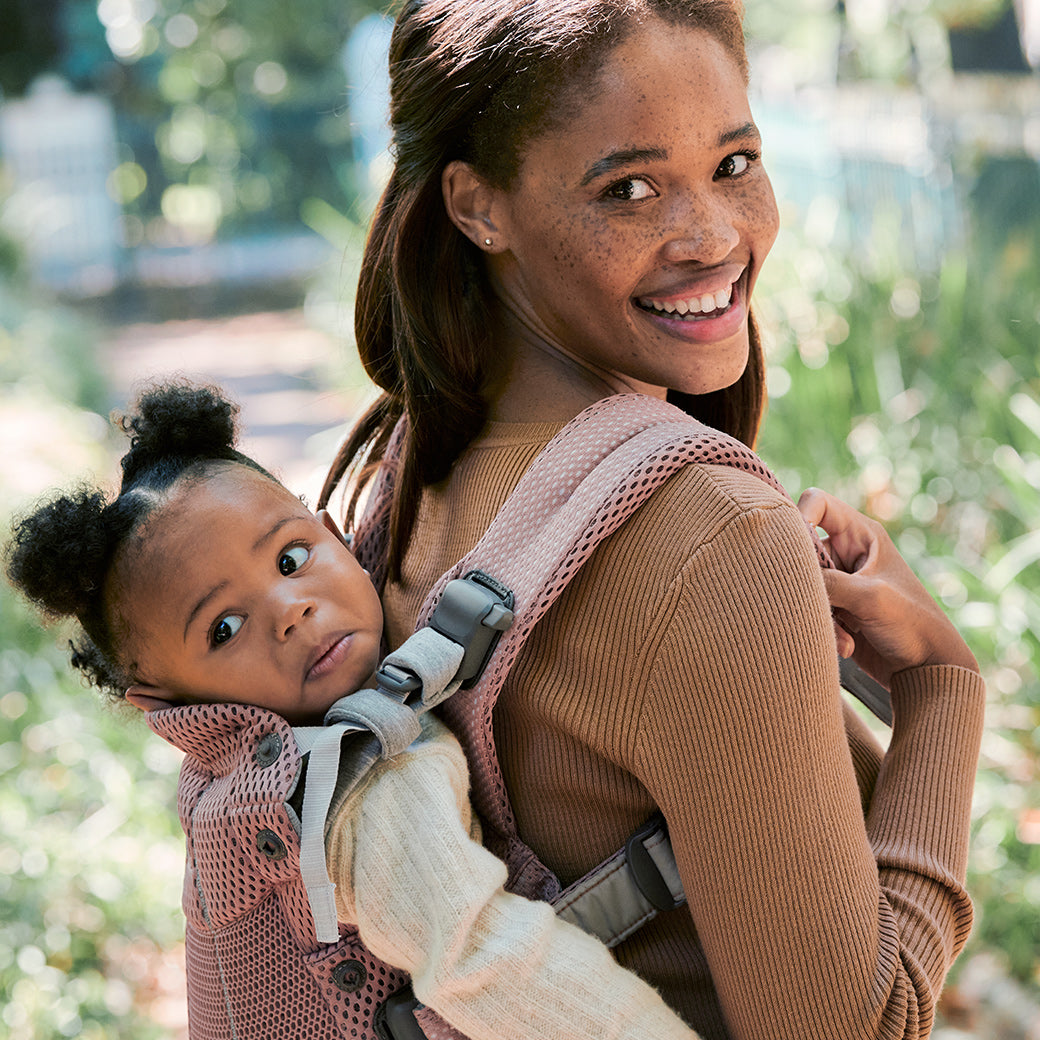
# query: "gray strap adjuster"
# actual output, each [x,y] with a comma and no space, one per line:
[645,870]
[625,891]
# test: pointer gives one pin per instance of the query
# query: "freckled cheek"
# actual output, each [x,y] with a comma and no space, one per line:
[761,217]
[559,244]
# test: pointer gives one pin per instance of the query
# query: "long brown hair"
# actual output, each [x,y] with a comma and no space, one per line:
[474,80]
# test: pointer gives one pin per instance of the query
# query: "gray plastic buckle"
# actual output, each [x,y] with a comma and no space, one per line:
[397,682]
[398,1017]
[474,611]
[644,870]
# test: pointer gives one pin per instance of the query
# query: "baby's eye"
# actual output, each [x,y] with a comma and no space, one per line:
[630,189]
[226,628]
[736,164]
[293,559]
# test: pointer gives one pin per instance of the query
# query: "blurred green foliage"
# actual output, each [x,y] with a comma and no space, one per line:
[91,854]
[916,395]
[230,112]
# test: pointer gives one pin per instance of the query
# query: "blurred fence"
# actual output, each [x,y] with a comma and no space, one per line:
[61,150]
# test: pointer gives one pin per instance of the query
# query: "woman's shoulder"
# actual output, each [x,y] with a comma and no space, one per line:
[707,526]
[701,500]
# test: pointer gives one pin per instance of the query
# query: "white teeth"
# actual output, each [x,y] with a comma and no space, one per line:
[717,301]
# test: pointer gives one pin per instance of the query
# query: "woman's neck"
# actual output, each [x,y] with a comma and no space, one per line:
[547,383]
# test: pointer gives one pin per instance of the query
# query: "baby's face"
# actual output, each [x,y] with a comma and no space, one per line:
[237,593]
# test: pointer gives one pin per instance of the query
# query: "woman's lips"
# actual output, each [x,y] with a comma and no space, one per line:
[714,293]
[695,325]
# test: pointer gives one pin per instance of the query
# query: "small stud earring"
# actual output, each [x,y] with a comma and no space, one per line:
[487,242]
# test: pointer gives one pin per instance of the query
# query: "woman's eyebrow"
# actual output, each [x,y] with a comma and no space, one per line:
[619,160]
[740,133]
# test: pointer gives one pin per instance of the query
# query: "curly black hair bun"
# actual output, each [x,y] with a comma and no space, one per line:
[58,554]
[178,421]
[61,553]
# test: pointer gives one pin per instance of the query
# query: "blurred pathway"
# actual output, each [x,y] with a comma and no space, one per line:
[280,370]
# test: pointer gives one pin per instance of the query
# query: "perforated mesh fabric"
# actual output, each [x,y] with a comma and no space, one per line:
[583,486]
[254,966]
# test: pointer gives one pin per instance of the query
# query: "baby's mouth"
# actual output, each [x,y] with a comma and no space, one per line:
[689,308]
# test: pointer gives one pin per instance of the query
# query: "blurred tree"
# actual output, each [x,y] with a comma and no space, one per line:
[234,111]
[29,43]
[231,112]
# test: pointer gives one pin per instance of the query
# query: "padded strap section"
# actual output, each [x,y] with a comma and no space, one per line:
[395,724]
[434,658]
[610,902]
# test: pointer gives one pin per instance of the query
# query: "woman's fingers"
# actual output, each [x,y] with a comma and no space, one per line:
[844,639]
[877,596]
[852,538]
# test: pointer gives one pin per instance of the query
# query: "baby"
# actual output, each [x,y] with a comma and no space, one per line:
[205,581]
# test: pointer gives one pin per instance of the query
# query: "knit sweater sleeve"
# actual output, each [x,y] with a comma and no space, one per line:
[429,899]
[816,919]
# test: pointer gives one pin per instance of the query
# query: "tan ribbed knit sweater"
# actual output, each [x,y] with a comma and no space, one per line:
[691,666]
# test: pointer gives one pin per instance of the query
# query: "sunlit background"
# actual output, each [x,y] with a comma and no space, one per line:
[184,186]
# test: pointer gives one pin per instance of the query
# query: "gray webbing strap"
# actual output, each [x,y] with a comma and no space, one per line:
[393,725]
[619,896]
[322,770]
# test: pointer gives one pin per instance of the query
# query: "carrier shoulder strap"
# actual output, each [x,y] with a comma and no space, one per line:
[372,724]
[590,478]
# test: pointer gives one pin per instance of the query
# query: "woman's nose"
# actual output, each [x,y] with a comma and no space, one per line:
[705,230]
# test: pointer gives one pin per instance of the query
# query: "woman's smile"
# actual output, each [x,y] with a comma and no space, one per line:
[710,310]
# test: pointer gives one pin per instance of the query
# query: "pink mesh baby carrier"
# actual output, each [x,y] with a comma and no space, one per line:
[256,966]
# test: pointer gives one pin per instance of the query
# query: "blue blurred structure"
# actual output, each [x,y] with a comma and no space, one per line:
[60,150]
[365,66]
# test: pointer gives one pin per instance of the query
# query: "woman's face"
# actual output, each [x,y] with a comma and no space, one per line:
[632,236]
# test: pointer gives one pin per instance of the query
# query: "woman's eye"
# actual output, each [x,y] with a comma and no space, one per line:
[226,628]
[631,189]
[293,559]
[735,165]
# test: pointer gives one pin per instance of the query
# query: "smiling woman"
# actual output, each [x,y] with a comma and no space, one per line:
[579,208]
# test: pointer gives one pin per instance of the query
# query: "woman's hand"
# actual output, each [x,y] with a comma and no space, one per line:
[894,623]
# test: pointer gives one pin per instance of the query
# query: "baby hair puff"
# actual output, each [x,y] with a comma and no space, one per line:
[61,552]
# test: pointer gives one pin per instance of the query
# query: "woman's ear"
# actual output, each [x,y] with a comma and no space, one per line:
[471,204]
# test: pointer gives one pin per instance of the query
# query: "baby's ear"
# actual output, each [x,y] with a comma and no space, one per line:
[326,518]
[150,698]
